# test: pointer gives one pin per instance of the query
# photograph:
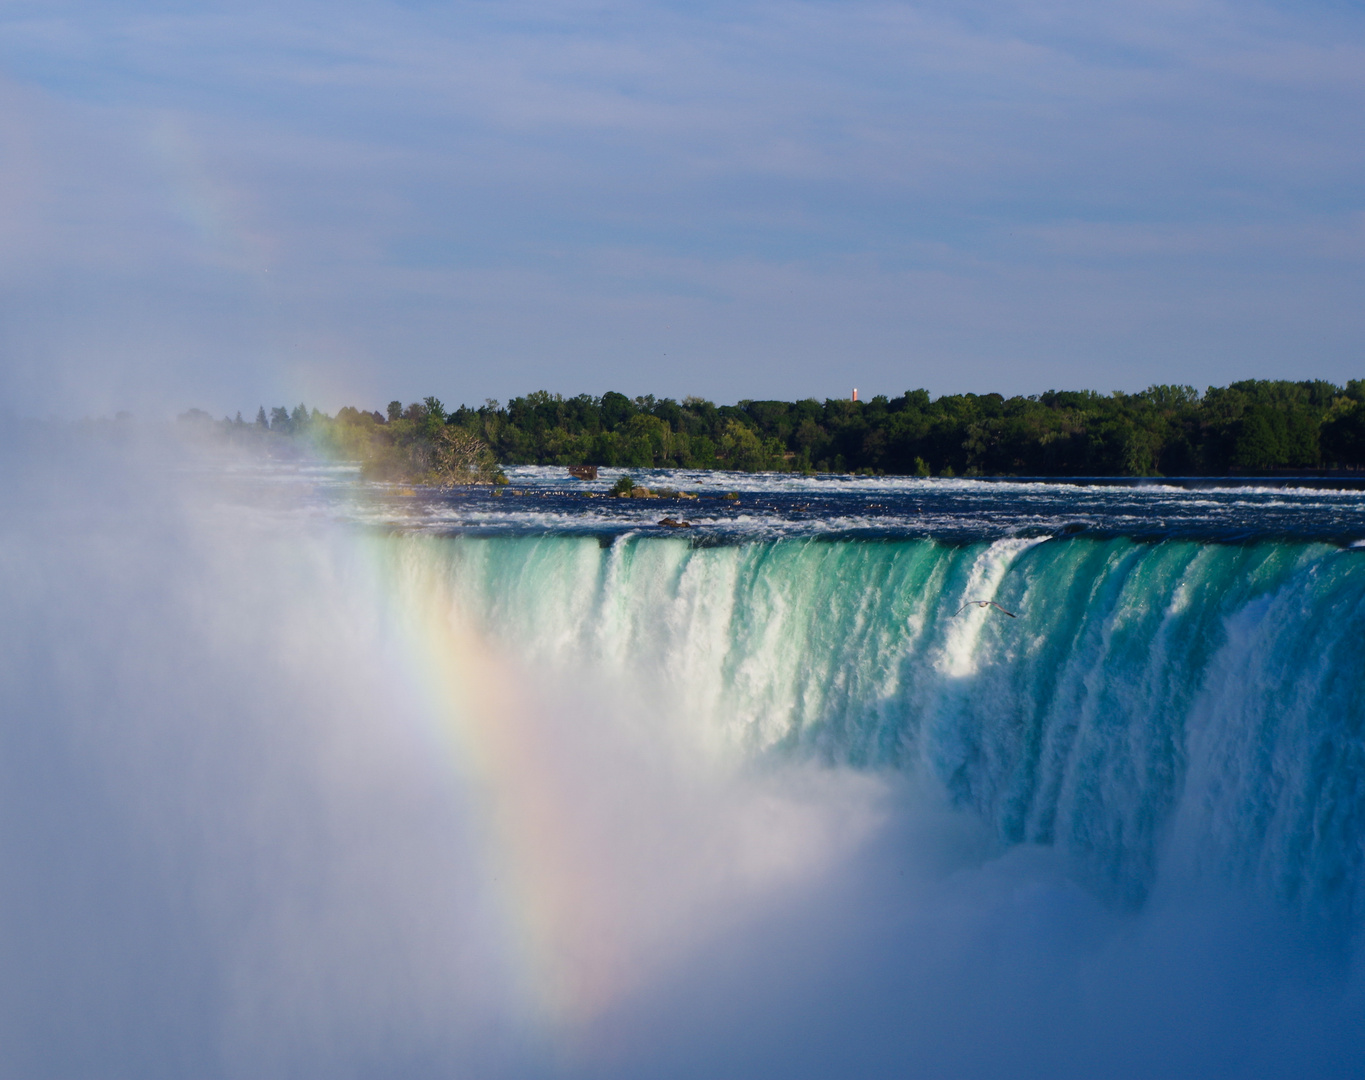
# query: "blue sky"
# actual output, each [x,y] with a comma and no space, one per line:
[223,205]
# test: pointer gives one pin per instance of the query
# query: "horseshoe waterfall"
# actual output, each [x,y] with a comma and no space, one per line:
[803,777]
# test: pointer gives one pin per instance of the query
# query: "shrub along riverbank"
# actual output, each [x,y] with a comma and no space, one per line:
[1248,427]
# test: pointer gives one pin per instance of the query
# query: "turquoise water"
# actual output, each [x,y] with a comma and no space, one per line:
[1147,695]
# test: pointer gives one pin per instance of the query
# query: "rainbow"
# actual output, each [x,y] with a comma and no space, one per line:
[569,964]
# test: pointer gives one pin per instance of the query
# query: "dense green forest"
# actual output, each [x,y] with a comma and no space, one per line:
[1248,427]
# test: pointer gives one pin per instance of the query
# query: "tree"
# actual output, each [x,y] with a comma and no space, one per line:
[648,441]
[1270,437]
[261,421]
[742,449]
[458,457]
[616,409]
[1343,434]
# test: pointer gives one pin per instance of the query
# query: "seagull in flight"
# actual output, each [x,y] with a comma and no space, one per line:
[983,603]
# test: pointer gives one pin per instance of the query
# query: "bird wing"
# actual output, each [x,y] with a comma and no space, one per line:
[1011,614]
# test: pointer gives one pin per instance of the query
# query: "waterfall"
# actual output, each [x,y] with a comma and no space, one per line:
[1221,686]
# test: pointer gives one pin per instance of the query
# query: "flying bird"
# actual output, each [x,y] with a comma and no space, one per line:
[983,603]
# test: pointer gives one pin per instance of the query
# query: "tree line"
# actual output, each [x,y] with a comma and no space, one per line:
[1253,426]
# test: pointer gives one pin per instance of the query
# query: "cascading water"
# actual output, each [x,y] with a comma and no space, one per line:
[1141,683]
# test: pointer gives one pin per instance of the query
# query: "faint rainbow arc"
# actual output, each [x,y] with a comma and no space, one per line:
[561,937]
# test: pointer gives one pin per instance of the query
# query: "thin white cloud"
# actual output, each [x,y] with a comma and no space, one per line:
[359,150]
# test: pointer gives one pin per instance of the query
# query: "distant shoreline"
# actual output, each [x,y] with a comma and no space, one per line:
[1254,429]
